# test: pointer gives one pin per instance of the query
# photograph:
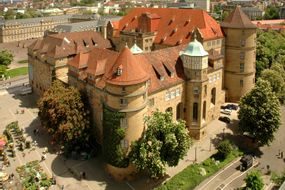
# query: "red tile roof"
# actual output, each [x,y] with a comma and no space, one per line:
[174,24]
[132,71]
[163,67]
[65,44]
[237,19]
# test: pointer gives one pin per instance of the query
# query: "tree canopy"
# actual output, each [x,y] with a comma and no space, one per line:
[6,57]
[254,181]
[271,12]
[270,49]
[276,81]
[259,113]
[63,113]
[163,143]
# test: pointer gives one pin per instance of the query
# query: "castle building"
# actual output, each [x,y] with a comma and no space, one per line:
[47,58]
[240,54]
[176,60]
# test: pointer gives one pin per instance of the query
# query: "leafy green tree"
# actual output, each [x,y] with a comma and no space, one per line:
[163,143]
[224,148]
[276,81]
[254,181]
[6,58]
[63,113]
[278,179]
[271,12]
[10,14]
[259,113]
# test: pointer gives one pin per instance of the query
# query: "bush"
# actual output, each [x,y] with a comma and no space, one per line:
[254,181]
[224,149]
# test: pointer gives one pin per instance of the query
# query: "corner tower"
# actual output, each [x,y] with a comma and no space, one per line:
[240,55]
[195,64]
[125,106]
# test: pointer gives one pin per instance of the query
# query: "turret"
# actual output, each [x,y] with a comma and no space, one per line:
[195,64]
[126,93]
[240,54]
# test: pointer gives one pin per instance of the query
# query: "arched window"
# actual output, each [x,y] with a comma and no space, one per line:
[195,111]
[213,96]
[178,111]
[204,110]
[169,109]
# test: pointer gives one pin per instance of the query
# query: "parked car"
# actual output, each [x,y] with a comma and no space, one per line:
[226,111]
[225,119]
[231,107]
[246,162]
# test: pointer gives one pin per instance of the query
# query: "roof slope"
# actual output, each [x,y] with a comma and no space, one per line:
[64,44]
[237,19]
[174,25]
[132,71]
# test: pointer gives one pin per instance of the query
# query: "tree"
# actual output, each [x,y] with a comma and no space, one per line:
[276,81]
[259,113]
[254,181]
[63,113]
[278,179]
[163,143]
[271,12]
[224,148]
[10,14]
[6,57]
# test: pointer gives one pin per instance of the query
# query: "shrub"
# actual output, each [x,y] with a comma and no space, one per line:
[224,149]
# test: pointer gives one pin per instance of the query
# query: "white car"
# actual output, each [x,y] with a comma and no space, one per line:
[226,111]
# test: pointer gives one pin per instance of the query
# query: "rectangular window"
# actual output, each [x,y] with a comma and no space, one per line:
[124,144]
[205,89]
[177,92]
[242,43]
[196,90]
[218,76]
[123,102]
[210,79]
[123,89]
[124,123]
[151,102]
[241,67]
[167,96]
[173,94]
[241,83]
[242,55]
[208,44]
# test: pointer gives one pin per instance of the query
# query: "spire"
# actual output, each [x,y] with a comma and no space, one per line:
[237,19]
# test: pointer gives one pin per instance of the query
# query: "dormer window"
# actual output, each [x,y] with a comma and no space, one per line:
[119,71]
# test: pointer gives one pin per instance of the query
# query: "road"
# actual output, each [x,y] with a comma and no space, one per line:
[267,157]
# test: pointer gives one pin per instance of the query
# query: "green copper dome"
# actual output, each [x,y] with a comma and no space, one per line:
[195,48]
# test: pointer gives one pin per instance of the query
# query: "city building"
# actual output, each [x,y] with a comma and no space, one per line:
[48,57]
[253,13]
[85,23]
[172,60]
[23,29]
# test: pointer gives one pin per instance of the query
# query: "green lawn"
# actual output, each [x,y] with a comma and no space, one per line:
[190,177]
[23,61]
[17,72]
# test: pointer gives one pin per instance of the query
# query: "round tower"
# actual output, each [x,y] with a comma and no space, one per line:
[195,64]
[240,55]
[126,94]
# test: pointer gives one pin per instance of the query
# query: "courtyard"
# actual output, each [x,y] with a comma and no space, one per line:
[14,107]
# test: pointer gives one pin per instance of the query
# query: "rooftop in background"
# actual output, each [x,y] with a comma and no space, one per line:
[34,20]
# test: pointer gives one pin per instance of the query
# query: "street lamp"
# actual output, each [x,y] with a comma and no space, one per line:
[210,144]
[196,154]
[224,132]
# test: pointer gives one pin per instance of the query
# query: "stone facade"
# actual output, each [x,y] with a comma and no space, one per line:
[190,77]
[23,29]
